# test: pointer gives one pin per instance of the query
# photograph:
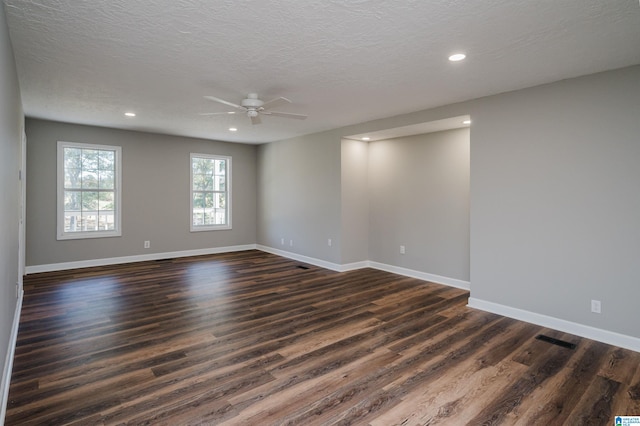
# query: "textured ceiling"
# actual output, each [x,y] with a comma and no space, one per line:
[341,62]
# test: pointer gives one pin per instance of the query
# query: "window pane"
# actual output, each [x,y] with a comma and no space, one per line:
[89,179]
[72,158]
[106,201]
[209,188]
[198,200]
[106,160]
[208,203]
[198,218]
[220,201]
[106,179]
[89,221]
[202,182]
[89,201]
[72,178]
[201,166]
[72,201]
[220,166]
[106,221]
[72,222]
[220,183]
[88,175]
[90,159]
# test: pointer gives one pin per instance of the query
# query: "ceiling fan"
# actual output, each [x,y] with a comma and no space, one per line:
[254,108]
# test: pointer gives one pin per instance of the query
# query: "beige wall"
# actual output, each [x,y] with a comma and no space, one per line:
[155,194]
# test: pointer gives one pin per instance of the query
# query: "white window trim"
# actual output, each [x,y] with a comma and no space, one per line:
[61,235]
[228,182]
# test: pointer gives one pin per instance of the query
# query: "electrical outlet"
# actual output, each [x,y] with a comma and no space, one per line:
[147,244]
[402,250]
[596,306]
[329,242]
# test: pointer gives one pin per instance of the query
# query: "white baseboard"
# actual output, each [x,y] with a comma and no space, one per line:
[301,258]
[451,282]
[137,258]
[8,362]
[609,337]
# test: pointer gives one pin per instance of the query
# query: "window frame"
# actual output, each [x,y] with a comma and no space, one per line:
[227,192]
[60,232]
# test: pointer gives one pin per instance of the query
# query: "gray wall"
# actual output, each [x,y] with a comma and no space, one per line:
[355,201]
[155,194]
[11,123]
[555,199]
[554,195]
[299,195]
[419,198]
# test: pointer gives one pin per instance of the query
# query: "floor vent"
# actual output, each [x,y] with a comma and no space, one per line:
[302,267]
[558,342]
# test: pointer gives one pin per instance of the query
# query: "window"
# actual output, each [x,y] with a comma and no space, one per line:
[210,192]
[88,191]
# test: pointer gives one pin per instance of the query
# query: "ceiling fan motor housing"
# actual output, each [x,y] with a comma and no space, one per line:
[252,101]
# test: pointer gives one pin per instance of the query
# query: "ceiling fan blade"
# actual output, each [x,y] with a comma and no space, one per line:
[286,114]
[222,101]
[274,103]
[256,120]
[217,113]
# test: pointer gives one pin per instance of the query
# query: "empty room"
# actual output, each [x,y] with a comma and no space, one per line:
[320,212]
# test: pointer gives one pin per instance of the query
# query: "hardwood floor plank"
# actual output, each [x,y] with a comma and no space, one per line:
[539,371]
[596,404]
[251,338]
[552,403]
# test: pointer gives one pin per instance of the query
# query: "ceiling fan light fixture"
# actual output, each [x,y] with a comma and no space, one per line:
[255,107]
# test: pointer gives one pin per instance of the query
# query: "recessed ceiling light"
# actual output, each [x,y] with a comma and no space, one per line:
[233,129]
[231,112]
[130,114]
[466,122]
[457,57]
[366,138]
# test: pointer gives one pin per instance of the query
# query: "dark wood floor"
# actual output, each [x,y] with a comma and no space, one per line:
[252,338]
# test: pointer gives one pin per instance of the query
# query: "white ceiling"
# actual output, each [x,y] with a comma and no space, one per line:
[414,129]
[340,61]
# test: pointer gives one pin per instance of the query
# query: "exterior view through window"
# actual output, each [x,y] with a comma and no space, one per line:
[210,192]
[88,190]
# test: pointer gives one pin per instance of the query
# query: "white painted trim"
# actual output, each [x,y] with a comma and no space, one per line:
[604,336]
[228,193]
[137,258]
[8,362]
[60,232]
[354,266]
[301,258]
[451,282]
